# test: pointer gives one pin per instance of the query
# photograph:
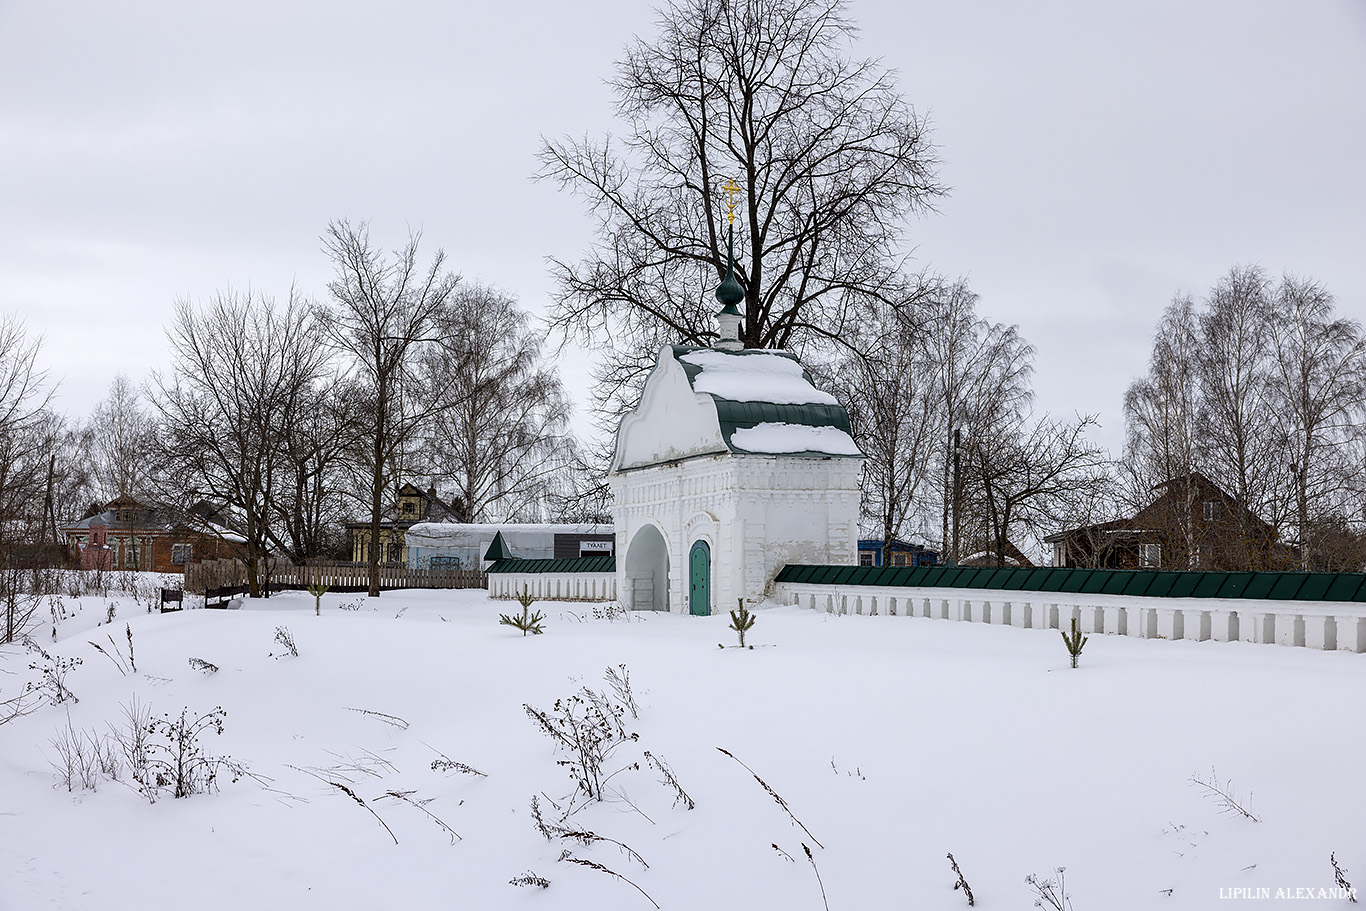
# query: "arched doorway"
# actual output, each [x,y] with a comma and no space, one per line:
[699,579]
[647,571]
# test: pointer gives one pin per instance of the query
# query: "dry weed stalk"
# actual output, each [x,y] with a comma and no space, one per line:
[774,794]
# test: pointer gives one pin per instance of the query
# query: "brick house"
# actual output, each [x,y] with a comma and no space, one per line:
[131,534]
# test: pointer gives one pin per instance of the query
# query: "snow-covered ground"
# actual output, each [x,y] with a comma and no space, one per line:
[893,740]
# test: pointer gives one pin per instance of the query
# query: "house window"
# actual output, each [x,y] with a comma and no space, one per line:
[1150,555]
[181,553]
[1059,554]
[130,555]
[409,507]
[865,558]
[1212,510]
[898,559]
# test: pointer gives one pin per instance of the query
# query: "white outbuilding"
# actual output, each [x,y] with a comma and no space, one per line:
[732,465]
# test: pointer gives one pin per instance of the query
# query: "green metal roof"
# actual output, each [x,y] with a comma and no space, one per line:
[602,563]
[498,549]
[735,416]
[1267,586]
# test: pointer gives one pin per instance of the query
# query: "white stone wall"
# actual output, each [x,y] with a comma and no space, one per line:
[554,586]
[756,513]
[1313,624]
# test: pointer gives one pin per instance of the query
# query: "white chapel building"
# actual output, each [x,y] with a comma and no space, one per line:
[732,465]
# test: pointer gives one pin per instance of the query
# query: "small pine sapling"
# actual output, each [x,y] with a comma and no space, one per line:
[526,621]
[1075,642]
[317,590]
[741,621]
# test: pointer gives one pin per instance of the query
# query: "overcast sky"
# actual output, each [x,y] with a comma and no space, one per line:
[1103,156]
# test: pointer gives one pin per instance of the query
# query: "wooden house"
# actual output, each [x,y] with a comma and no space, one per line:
[411,506]
[903,553]
[1191,524]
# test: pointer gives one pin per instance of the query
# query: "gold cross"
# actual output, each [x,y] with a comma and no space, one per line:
[731,188]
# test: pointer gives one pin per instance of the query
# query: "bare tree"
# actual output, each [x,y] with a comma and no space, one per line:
[883,384]
[382,306]
[1260,389]
[1237,420]
[122,433]
[242,371]
[24,396]
[828,157]
[980,374]
[1030,476]
[70,488]
[1320,379]
[24,467]
[1162,417]
[498,427]
[317,442]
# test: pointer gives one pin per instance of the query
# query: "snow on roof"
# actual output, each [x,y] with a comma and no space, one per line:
[438,530]
[754,377]
[159,519]
[774,437]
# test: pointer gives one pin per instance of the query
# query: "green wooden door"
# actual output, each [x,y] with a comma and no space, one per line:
[699,579]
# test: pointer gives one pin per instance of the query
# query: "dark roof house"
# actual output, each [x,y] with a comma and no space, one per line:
[132,534]
[1190,524]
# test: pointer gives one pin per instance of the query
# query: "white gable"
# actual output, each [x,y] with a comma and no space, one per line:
[701,401]
[672,421]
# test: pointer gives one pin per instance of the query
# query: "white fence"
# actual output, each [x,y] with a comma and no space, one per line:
[1314,624]
[555,586]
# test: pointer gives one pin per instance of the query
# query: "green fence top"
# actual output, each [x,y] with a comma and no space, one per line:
[602,563]
[1270,586]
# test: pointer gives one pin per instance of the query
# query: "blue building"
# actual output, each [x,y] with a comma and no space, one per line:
[903,553]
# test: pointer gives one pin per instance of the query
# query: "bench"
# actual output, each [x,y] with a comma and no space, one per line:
[172,596]
[219,598]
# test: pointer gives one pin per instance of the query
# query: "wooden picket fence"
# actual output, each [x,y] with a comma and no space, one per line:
[338,577]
